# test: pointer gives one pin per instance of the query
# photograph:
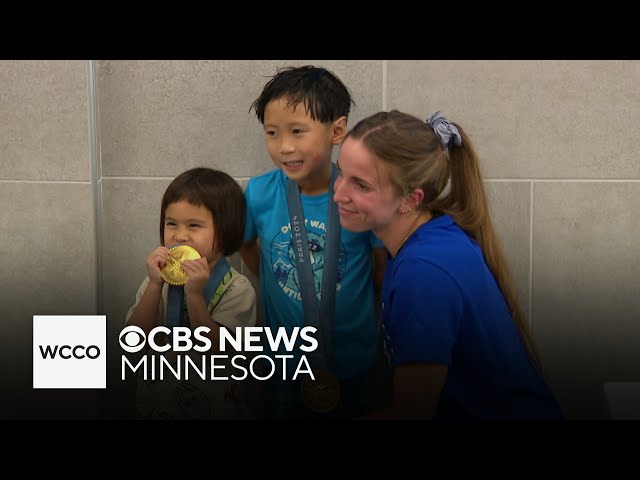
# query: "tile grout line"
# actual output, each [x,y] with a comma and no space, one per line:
[531,195]
[384,85]
[95,170]
[95,181]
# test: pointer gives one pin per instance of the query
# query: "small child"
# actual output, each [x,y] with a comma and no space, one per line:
[294,243]
[204,209]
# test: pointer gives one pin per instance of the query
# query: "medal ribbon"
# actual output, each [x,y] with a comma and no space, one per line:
[318,314]
[175,296]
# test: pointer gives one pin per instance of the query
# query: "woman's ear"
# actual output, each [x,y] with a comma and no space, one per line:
[411,200]
[339,130]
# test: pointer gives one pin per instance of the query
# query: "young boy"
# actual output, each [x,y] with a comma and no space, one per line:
[312,272]
[202,211]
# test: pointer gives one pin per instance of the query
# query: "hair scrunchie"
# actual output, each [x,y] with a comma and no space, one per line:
[447,133]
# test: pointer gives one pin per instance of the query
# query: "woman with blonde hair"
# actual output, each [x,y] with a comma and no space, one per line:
[454,334]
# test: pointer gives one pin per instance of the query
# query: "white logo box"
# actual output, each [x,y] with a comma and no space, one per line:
[75,347]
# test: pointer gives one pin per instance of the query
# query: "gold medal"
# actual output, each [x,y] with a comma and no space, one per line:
[172,273]
[321,395]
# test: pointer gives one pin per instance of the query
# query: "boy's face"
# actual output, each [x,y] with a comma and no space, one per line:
[300,146]
[191,225]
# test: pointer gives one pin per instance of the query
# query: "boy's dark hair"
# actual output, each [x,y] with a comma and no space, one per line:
[324,95]
[220,194]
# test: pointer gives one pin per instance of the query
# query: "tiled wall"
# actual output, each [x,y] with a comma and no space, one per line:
[559,145]
[557,140]
[47,246]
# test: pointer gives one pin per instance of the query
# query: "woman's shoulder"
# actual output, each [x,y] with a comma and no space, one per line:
[443,254]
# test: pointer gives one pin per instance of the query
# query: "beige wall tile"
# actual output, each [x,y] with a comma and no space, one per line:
[48,268]
[532,119]
[44,122]
[585,288]
[510,211]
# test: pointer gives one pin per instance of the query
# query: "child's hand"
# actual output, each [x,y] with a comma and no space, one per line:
[197,275]
[155,261]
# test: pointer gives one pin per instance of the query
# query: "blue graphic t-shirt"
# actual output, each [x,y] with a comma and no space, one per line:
[353,336]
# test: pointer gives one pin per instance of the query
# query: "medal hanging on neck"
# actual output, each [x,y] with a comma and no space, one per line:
[321,395]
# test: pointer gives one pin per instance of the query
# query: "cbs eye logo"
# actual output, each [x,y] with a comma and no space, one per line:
[132,339]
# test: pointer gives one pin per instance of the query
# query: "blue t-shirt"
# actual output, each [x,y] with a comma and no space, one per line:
[442,305]
[353,335]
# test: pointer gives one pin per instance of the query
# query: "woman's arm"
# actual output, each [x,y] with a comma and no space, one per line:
[416,391]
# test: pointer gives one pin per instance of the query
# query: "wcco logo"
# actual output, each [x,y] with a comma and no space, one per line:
[78,351]
[69,351]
